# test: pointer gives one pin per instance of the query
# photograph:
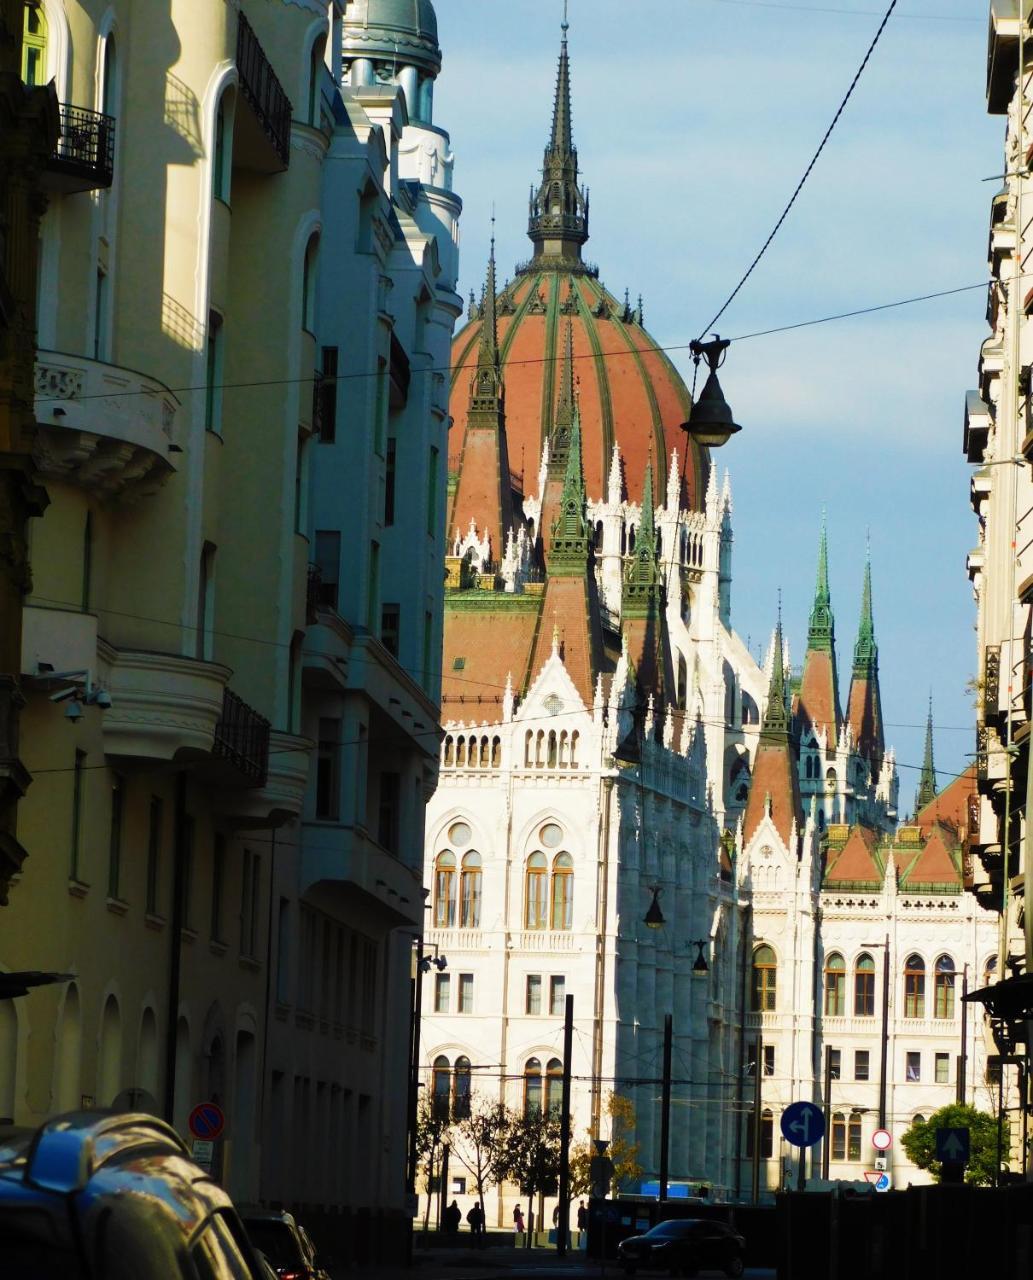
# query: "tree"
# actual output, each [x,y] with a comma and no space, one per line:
[920,1142]
[480,1142]
[622,1152]
[532,1158]
[431,1130]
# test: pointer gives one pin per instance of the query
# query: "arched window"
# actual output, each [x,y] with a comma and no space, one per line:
[765,978]
[221,170]
[767,1126]
[440,1088]
[917,1118]
[470,891]
[461,1089]
[532,1087]
[34,46]
[835,986]
[109,1062]
[683,683]
[853,1136]
[838,1151]
[315,79]
[109,78]
[990,971]
[943,988]
[445,891]
[864,986]
[562,891]
[554,1085]
[914,987]
[308,285]
[536,892]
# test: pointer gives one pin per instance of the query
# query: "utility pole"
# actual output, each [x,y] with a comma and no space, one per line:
[963,1056]
[414,1066]
[758,1071]
[665,1110]
[563,1221]
[884,1054]
[827,1101]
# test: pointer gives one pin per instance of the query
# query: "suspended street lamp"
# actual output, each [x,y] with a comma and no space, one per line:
[710,422]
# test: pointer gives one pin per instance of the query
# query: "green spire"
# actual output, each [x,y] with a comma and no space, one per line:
[565,404]
[486,389]
[642,576]
[927,783]
[866,651]
[821,632]
[568,552]
[776,718]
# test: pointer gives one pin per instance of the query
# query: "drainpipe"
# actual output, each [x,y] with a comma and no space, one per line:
[176,956]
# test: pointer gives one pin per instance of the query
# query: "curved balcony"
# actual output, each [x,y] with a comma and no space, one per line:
[163,707]
[281,795]
[106,429]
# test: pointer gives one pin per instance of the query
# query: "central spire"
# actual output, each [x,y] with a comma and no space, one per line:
[775,727]
[927,782]
[558,221]
[820,633]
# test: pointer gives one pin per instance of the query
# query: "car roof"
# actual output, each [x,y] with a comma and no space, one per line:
[249,1214]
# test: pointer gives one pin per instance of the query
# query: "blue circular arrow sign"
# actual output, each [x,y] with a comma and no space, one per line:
[803,1124]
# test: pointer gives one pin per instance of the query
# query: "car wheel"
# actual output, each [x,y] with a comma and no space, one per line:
[735,1267]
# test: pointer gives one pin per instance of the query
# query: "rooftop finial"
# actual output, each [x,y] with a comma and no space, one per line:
[565,26]
[927,783]
[820,633]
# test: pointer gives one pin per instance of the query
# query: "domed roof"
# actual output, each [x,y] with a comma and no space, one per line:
[630,394]
[389,31]
[415,16]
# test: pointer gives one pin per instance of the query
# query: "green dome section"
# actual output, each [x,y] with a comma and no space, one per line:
[388,32]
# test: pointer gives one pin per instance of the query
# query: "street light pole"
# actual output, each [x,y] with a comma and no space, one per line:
[665,1108]
[884,1054]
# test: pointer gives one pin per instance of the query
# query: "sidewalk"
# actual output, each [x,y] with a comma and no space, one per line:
[490,1263]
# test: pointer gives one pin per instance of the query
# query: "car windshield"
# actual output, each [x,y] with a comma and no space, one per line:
[684,1227]
[275,1240]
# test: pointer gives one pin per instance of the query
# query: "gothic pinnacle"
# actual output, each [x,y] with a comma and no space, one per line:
[565,404]
[927,783]
[866,651]
[820,633]
[776,720]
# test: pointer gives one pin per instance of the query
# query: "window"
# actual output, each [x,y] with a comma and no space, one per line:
[943,988]
[283,922]
[853,1146]
[78,773]
[387,817]
[34,47]
[993,1074]
[87,562]
[766,1134]
[942,1068]
[315,77]
[445,891]
[390,626]
[470,891]
[914,987]
[100,316]
[533,994]
[835,986]
[764,980]
[328,769]
[838,1149]
[328,563]
[532,1087]
[214,361]
[220,184]
[461,1088]
[557,995]
[308,285]
[390,476]
[917,1118]
[562,891]
[769,1059]
[465,1004]
[432,493]
[442,992]
[913,1068]
[536,891]
[441,1088]
[835,1063]
[554,1086]
[864,986]
[218,885]
[861,1064]
[115,837]
[204,638]
[327,392]
[154,822]
[249,894]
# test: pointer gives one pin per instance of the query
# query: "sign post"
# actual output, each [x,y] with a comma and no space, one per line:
[206,1123]
[953,1149]
[803,1125]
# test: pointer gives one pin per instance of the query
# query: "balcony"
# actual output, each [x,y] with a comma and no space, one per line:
[103,428]
[977,426]
[281,796]
[84,158]
[334,854]
[262,130]
[1002,59]
[163,706]
[242,741]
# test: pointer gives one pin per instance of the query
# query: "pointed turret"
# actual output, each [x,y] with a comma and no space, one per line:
[567,552]
[559,440]
[864,706]
[775,728]
[558,223]
[484,493]
[565,403]
[642,576]
[774,786]
[927,782]
[817,705]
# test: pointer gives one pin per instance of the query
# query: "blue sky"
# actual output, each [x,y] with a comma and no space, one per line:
[693,120]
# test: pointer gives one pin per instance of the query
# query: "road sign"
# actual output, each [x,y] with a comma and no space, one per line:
[803,1124]
[952,1146]
[203,1153]
[880,1163]
[872,1175]
[882,1139]
[884,1182]
[207,1121]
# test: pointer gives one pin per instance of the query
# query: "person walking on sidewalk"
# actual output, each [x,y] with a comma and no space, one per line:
[451,1218]
[476,1220]
[518,1220]
[582,1217]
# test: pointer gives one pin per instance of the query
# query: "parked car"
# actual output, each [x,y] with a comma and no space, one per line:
[685,1246]
[107,1196]
[284,1242]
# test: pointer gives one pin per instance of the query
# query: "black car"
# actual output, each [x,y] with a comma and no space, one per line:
[284,1243]
[685,1246]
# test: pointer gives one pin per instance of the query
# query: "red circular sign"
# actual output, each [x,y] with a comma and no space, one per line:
[882,1140]
[207,1121]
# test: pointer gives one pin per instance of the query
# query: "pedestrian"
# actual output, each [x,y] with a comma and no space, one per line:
[476,1220]
[582,1217]
[518,1220]
[451,1218]
[556,1216]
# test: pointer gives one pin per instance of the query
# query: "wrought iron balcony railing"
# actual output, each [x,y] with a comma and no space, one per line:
[242,739]
[84,158]
[263,92]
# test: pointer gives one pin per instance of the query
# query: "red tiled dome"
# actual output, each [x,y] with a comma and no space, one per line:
[630,392]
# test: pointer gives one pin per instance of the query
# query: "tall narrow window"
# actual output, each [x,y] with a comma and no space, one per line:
[220,186]
[390,626]
[34,46]
[533,995]
[766,1134]
[214,361]
[283,935]
[100,316]
[943,991]
[78,774]
[470,891]
[87,562]
[327,392]
[154,824]
[250,885]
[835,986]
[328,769]
[432,492]
[914,987]
[441,1088]
[109,82]
[308,285]
[557,995]
[328,562]
[913,1067]
[115,837]
[562,891]
[941,1065]
[445,891]
[442,992]
[765,977]
[315,80]
[205,603]
[461,1089]
[536,892]
[554,1086]
[853,1145]
[864,986]
[532,1087]
[390,475]
[839,1136]
[218,885]
[862,1066]
[465,1004]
